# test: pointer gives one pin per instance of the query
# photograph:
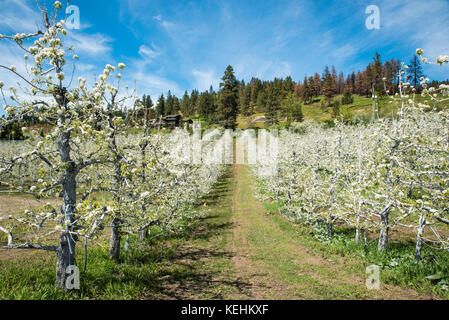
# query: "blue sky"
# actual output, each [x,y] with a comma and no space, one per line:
[181,45]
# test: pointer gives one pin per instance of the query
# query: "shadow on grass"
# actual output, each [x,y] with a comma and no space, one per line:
[193,264]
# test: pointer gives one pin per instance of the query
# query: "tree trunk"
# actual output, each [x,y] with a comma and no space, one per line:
[127,244]
[114,248]
[65,257]
[419,240]
[65,254]
[9,234]
[330,230]
[383,236]
[143,234]
[357,231]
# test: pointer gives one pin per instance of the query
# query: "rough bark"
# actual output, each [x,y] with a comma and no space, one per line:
[9,234]
[357,230]
[143,234]
[419,240]
[383,236]
[114,244]
[65,257]
[65,254]
[329,228]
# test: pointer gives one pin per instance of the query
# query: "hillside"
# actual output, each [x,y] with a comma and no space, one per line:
[359,110]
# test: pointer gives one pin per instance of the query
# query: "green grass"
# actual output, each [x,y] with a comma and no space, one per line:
[397,263]
[359,110]
[164,266]
[276,250]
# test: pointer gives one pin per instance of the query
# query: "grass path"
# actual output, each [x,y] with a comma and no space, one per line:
[240,252]
[269,256]
[236,251]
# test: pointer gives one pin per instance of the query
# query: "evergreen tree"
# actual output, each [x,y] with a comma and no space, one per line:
[169,103]
[206,107]
[317,84]
[415,71]
[176,105]
[257,88]
[347,98]
[245,101]
[328,88]
[261,101]
[288,86]
[335,108]
[271,114]
[291,108]
[307,90]
[193,102]
[376,75]
[148,104]
[228,99]
[160,107]
[185,105]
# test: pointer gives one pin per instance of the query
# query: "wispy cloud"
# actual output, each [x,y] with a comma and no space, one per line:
[149,53]
[18,16]
[90,44]
[181,45]
[204,79]
[154,85]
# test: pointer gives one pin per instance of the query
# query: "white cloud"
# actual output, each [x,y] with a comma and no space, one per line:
[90,44]
[11,55]
[149,53]
[85,67]
[17,16]
[204,79]
[154,85]
[421,22]
[249,66]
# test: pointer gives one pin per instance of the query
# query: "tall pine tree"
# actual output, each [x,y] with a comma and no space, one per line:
[415,72]
[160,108]
[185,105]
[228,99]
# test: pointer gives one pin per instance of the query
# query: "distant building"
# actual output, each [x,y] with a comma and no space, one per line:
[172,121]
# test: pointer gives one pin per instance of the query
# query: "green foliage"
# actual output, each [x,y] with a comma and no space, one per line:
[335,108]
[291,108]
[160,107]
[271,107]
[415,72]
[207,107]
[185,105]
[245,101]
[347,98]
[397,265]
[169,104]
[228,100]
[346,116]
[328,88]
[12,131]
